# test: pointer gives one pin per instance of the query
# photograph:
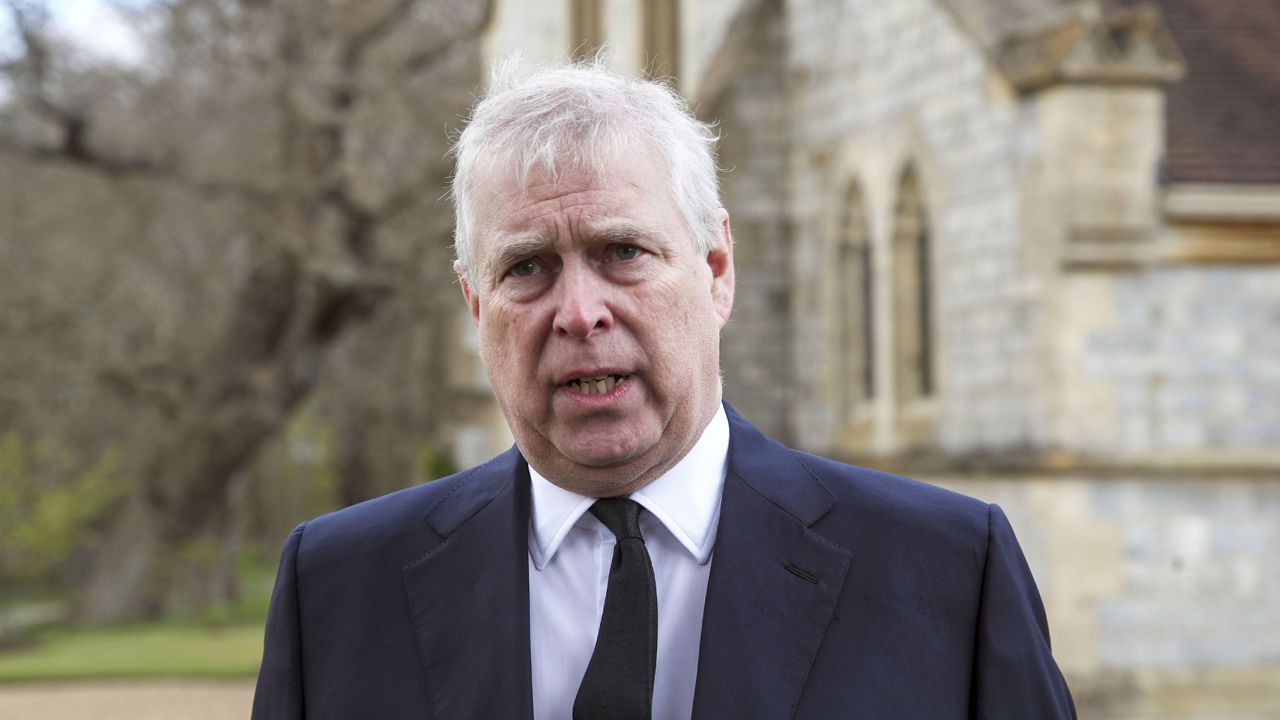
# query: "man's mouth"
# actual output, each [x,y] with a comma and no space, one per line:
[597,385]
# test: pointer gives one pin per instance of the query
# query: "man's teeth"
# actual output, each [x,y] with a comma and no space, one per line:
[597,385]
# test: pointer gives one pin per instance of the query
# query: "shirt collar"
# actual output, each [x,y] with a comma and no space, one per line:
[685,499]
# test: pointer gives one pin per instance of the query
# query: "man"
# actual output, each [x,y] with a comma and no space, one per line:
[642,551]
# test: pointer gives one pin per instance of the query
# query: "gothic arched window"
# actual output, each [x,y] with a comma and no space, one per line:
[912,293]
[856,347]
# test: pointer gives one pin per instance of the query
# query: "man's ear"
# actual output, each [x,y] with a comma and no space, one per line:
[468,294]
[720,260]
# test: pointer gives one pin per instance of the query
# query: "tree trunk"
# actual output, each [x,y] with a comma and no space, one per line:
[164,552]
[351,457]
[322,206]
[122,569]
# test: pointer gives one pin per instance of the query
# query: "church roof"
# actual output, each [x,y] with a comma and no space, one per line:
[1224,114]
[1223,67]
[992,20]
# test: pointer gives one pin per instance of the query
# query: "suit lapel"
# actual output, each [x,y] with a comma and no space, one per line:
[773,586]
[469,595]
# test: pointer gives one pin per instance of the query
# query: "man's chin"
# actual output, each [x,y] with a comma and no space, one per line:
[601,459]
[603,444]
[600,471]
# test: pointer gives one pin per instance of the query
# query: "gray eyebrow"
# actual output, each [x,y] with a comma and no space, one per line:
[623,232]
[515,250]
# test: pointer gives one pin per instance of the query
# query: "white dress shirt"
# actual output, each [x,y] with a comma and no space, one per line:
[570,552]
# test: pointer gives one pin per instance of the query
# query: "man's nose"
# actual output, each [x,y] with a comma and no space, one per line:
[583,308]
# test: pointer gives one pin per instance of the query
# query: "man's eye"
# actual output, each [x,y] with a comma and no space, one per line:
[626,252]
[525,268]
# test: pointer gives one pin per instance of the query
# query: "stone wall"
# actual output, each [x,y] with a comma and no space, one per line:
[878,86]
[756,345]
[1160,583]
[1174,364]
[706,27]
[1163,594]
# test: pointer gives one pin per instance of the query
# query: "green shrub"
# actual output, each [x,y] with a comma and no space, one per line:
[48,498]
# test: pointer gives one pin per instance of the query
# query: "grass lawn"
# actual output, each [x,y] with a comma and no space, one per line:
[160,650]
[137,651]
[226,645]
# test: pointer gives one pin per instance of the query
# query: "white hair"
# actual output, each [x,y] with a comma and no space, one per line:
[578,117]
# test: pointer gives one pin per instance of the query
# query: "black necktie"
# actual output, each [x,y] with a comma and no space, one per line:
[618,684]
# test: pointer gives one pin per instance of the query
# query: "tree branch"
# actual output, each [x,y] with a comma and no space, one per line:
[359,43]
[81,156]
[72,147]
[158,385]
[428,56]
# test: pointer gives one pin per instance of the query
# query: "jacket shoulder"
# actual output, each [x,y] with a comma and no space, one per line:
[888,492]
[846,502]
[871,503]
[386,526]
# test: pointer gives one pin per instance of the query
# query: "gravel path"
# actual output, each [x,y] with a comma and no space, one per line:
[149,700]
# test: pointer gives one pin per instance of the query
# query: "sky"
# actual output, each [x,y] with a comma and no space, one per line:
[92,24]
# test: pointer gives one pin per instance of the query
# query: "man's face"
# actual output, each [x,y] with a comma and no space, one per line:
[599,322]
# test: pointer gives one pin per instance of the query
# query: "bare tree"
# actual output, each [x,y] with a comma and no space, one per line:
[317,126]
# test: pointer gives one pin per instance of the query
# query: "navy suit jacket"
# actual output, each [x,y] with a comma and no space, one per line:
[835,592]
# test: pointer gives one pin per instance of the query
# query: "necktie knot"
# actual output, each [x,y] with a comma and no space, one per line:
[620,515]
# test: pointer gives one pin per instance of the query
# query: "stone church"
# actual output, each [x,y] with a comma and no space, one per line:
[1027,249]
